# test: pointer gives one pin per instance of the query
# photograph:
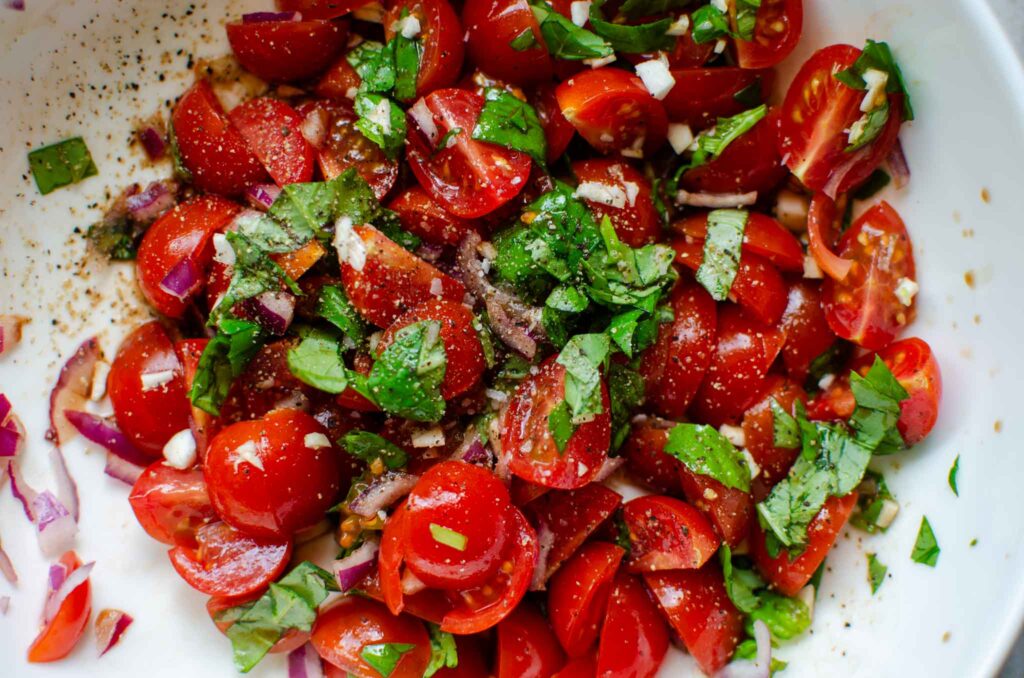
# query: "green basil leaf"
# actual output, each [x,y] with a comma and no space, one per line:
[370,446]
[375,64]
[709,24]
[867,128]
[407,376]
[382,122]
[707,452]
[746,18]
[523,41]
[512,123]
[61,164]
[317,361]
[953,472]
[180,171]
[583,357]
[786,618]
[566,40]
[876,572]
[786,430]
[878,395]
[560,425]
[635,39]
[408,54]
[443,651]
[722,248]
[635,9]
[877,56]
[875,504]
[625,395]
[334,307]
[117,239]
[926,548]
[223,359]
[384,657]
[878,180]
[255,273]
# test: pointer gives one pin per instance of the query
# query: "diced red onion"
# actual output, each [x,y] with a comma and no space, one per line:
[74,386]
[5,408]
[146,206]
[760,666]
[314,127]
[304,662]
[273,310]
[110,625]
[897,162]
[476,453]
[67,490]
[545,542]
[18,5]
[7,567]
[716,200]
[10,331]
[72,582]
[353,568]
[55,525]
[122,470]
[182,280]
[153,143]
[58,573]
[105,433]
[260,17]
[382,493]
[610,466]
[262,196]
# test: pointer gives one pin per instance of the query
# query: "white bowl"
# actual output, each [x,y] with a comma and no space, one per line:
[90,68]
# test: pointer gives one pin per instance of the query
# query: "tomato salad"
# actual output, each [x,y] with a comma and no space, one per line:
[454,274]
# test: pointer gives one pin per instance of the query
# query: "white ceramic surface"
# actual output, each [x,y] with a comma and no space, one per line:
[71,68]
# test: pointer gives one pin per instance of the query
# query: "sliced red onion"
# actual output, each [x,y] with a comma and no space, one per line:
[121,469]
[897,162]
[58,573]
[382,493]
[353,568]
[57,598]
[67,490]
[304,662]
[10,331]
[610,466]
[716,200]
[145,207]
[261,17]
[273,310]
[105,433]
[545,542]
[182,280]
[7,567]
[23,492]
[262,196]
[153,143]
[760,666]
[55,524]
[476,453]
[12,435]
[110,626]
[314,127]
[74,385]
[5,604]
[839,174]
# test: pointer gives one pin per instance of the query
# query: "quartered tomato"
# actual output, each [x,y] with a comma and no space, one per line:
[667,534]
[557,130]
[762,236]
[730,510]
[321,9]
[634,639]
[170,504]
[491,25]
[751,163]
[383,281]
[147,389]
[272,129]
[421,215]
[613,111]
[646,459]
[339,82]
[441,37]
[202,423]
[59,635]
[702,95]
[526,646]
[578,596]
[346,631]
[864,307]
[807,332]
[468,178]
[226,562]
[528,443]
[471,660]
[628,202]
[776,32]
[759,434]
[287,50]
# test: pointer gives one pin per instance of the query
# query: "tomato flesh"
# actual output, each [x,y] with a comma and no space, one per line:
[762,236]
[58,638]
[759,434]
[808,334]
[526,646]
[287,50]
[422,216]
[634,638]
[636,221]
[171,504]
[492,25]
[750,163]
[702,95]
[579,593]
[226,562]
[441,37]
[776,33]
[273,131]
[646,459]
[667,534]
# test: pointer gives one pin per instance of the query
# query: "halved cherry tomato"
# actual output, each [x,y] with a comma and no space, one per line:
[490,26]
[532,452]
[789,575]
[226,562]
[667,534]
[636,222]
[759,434]
[211,149]
[864,307]
[613,111]
[147,389]
[578,597]
[344,630]
[60,635]
[273,476]
[321,9]
[462,345]
[730,510]
[287,50]
[203,424]
[702,95]
[762,236]
[441,37]
[526,646]
[216,606]
[807,332]
[821,235]
[750,163]
[340,81]
[646,460]
[272,129]
[776,32]
[181,234]
[170,504]
[468,178]
[699,610]
[816,117]
[746,349]
[634,639]
[422,216]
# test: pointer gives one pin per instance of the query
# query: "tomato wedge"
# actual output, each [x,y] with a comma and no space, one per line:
[646,459]
[763,236]
[558,131]
[422,216]
[203,424]
[808,334]
[667,534]
[526,646]
[579,593]
[272,129]
[226,562]
[751,163]
[441,37]
[321,9]
[636,221]
[759,434]
[170,504]
[821,221]
[287,50]
[59,635]
[634,638]
[776,33]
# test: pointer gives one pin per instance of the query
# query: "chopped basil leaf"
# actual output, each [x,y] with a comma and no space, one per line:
[786,618]
[223,359]
[448,537]
[633,331]
[746,18]
[560,425]
[953,474]
[829,362]
[583,357]
[408,54]
[878,395]
[407,376]
[370,446]
[876,506]
[375,64]
[638,39]
[709,23]
[483,333]
[303,210]
[180,171]
[61,164]
[878,180]
[622,539]
[118,238]
[876,572]
[750,96]
[269,235]
[566,40]
[635,9]
[625,394]
[254,273]
[381,121]
[722,251]
[523,41]
[926,548]
[317,361]
[713,142]
[443,651]
[786,430]
[868,127]
[877,56]
[627,276]
[334,307]
[512,123]
[390,225]
[707,452]
[384,657]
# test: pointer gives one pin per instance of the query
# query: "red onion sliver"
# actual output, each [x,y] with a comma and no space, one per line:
[67,490]
[153,143]
[716,200]
[10,332]
[58,573]
[12,434]
[23,492]
[7,567]
[262,196]
[273,310]
[760,666]
[74,386]
[17,5]
[182,280]
[5,408]
[897,162]
[146,206]
[353,568]
[104,432]
[73,581]
[610,466]
[382,493]
[55,525]
[260,17]
[121,469]
[545,542]
[304,662]
[110,625]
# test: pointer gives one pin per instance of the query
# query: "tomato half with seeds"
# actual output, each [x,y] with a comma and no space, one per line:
[646,459]
[808,334]
[226,562]
[526,646]
[702,95]
[667,534]
[634,638]
[421,215]
[171,504]
[273,130]
[286,50]
[557,130]
[578,596]
[759,434]
[59,635]
[631,211]
[776,33]
[441,37]
[762,236]
[491,26]
[750,163]
[346,632]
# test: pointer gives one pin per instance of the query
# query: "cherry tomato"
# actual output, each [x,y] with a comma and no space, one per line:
[634,639]
[776,32]
[147,389]
[636,222]
[526,646]
[203,424]
[392,280]
[491,26]
[864,307]
[273,476]
[226,562]
[816,116]
[750,163]
[273,130]
[468,178]
[471,660]
[339,82]
[613,111]
[557,130]
[441,37]
[60,635]
[287,50]
[217,606]
[578,595]
[667,534]
[533,454]
[789,575]
[343,632]
[581,667]
[807,332]
[170,504]
[321,9]
[762,236]
[646,460]
[181,234]
[702,95]
[730,510]
[422,216]
[211,149]
[759,434]
[699,610]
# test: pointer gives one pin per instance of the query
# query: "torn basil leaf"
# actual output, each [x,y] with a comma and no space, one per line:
[381,121]
[722,249]
[876,572]
[406,378]
[317,361]
[566,40]
[706,452]
[61,164]
[510,122]
[370,446]
[926,547]
[223,359]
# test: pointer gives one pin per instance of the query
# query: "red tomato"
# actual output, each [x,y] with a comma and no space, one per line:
[557,130]
[759,434]
[729,510]
[762,236]
[203,424]
[816,117]
[863,306]
[613,111]
[490,26]
[339,82]
[226,562]
[60,635]
[147,389]
[471,660]
[581,667]
[527,441]
[758,286]
[441,37]
[344,630]
[745,351]
[699,610]
[702,95]
[807,332]
[646,460]
[750,163]
[636,222]
[321,9]
[778,27]
[273,476]
[420,215]
[265,385]
[181,234]
[273,130]
[526,646]
[788,575]
[578,596]
[667,534]
[216,606]
[211,149]
[171,505]
[287,50]
[468,178]
[634,639]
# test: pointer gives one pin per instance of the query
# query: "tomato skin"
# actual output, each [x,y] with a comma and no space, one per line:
[339,81]
[750,163]
[581,667]
[148,416]
[699,610]
[647,461]
[342,631]
[170,504]
[57,639]
[789,576]
[182,233]
[281,484]
[252,396]
[667,534]
[529,445]
[762,236]
[526,646]
[637,223]
[610,101]
[422,216]
[863,307]
[491,26]
[808,334]
[287,50]
[759,434]
[557,130]
[320,9]
[730,511]
[579,594]
[226,562]
[702,95]
[776,33]
[634,639]
[272,129]
[441,35]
